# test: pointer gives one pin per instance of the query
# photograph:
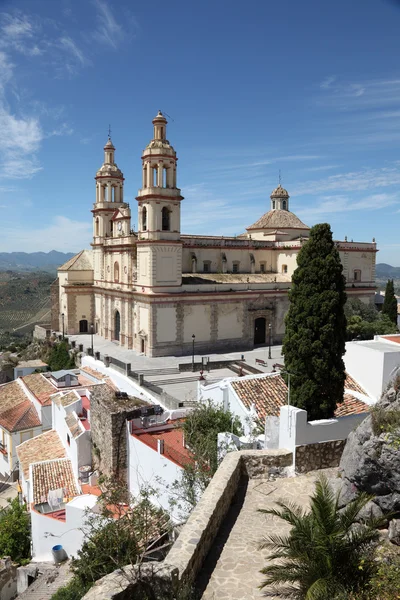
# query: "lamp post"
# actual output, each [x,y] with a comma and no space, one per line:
[62,318]
[269,340]
[91,333]
[193,338]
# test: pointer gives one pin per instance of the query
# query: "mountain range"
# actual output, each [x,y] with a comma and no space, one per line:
[385,271]
[33,261]
[50,261]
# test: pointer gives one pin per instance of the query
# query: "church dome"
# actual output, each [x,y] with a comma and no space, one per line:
[278,219]
[109,170]
[280,192]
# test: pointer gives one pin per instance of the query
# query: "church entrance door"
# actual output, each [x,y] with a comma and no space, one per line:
[117,326]
[83,326]
[259,330]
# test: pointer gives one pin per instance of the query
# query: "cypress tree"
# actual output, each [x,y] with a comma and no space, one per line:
[389,307]
[315,334]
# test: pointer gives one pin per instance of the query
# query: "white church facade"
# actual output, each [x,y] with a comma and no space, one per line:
[153,289]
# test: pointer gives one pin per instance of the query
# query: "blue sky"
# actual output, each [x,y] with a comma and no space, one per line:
[311,88]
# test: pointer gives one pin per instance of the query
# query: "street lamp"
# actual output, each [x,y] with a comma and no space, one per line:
[269,338]
[91,333]
[193,338]
[62,318]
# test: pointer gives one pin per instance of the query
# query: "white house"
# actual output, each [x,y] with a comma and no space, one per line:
[26,367]
[374,363]
[157,454]
[54,476]
[257,401]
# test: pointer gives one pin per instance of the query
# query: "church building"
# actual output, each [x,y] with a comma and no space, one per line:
[157,290]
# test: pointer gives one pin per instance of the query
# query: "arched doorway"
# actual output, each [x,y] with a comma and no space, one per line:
[259,330]
[117,325]
[83,326]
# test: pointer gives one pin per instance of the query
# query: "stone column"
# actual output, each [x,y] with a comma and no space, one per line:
[149,175]
[160,174]
[109,192]
[144,176]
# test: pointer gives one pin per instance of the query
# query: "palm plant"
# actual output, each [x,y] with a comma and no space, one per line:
[326,554]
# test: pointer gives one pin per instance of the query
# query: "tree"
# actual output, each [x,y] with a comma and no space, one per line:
[59,358]
[122,532]
[201,429]
[15,532]
[326,554]
[389,307]
[315,334]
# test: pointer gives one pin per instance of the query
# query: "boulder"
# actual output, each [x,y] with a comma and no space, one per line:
[394,531]
[371,462]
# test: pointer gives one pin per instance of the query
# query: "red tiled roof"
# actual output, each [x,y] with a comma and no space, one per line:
[40,387]
[392,338]
[173,443]
[20,417]
[53,475]
[46,446]
[269,393]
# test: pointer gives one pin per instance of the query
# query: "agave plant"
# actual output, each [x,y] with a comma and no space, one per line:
[326,554]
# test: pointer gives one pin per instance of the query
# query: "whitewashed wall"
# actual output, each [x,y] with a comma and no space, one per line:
[66,533]
[148,468]
[371,365]
[294,430]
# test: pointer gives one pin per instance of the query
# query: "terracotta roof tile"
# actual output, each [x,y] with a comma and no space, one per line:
[20,417]
[11,395]
[278,219]
[40,387]
[73,425]
[65,398]
[46,446]
[269,393]
[94,373]
[173,443]
[53,475]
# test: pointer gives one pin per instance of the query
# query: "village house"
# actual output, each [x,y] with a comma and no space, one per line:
[258,401]
[157,454]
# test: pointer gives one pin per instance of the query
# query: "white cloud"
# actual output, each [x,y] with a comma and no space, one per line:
[327,82]
[108,31]
[71,47]
[339,204]
[21,139]
[56,236]
[364,179]
[16,26]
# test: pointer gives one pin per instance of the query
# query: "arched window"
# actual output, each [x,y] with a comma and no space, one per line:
[165,219]
[111,228]
[165,180]
[273,204]
[284,268]
[154,176]
[284,204]
[144,218]
[96,228]
[116,272]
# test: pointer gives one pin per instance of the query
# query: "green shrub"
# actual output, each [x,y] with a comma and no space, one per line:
[74,590]
[15,532]
[383,420]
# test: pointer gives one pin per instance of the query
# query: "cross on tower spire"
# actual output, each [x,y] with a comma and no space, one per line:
[109,132]
[280,178]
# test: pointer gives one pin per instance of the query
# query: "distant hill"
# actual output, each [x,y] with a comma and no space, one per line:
[33,261]
[384,271]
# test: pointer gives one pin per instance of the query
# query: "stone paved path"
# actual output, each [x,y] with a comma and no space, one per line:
[236,574]
[48,583]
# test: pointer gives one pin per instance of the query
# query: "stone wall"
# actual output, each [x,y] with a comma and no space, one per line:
[108,417]
[8,579]
[188,553]
[310,457]
[55,305]
[42,332]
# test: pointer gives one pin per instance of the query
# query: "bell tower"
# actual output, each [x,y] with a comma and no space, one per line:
[279,199]
[159,214]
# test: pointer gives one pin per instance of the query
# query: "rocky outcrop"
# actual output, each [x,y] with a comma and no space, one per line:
[371,458]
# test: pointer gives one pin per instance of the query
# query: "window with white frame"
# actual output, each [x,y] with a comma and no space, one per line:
[235,267]
[357,275]
[284,268]
[206,266]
